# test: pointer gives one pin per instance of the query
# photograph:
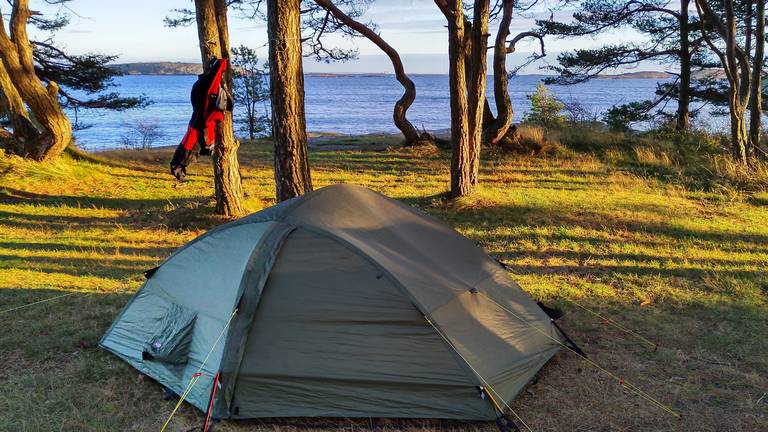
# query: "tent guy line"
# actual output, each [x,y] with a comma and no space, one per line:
[654,345]
[196,376]
[623,382]
[50,299]
[606,320]
[485,382]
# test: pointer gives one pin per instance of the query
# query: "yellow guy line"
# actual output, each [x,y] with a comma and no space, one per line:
[616,324]
[485,383]
[624,383]
[41,301]
[619,326]
[196,376]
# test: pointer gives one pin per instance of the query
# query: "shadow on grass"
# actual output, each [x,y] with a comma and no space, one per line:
[16,196]
[109,246]
[44,323]
[174,213]
[104,266]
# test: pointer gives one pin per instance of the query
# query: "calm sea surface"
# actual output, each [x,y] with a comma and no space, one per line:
[343,104]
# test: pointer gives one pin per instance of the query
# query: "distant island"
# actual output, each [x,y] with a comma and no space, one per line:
[158,68]
[182,68]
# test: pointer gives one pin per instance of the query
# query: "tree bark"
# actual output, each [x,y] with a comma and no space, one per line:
[292,174]
[461,181]
[411,134]
[756,99]
[13,106]
[739,87]
[213,34]
[497,129]
[736,64]
[55,131]
[477,82]
[488,117]
[684,93]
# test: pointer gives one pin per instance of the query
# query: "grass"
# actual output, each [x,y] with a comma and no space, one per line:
[625,230]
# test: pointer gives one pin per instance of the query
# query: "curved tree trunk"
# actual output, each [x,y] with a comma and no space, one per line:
[488,116]
[214,43]
[497,129]
[286,89]
[411,134]
[54,133]
[13,106]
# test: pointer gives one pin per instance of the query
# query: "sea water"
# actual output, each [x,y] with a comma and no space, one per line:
[344,104]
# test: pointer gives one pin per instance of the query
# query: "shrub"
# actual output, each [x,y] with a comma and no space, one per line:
[546,110]
[251,92]
[531,139]
[142,134]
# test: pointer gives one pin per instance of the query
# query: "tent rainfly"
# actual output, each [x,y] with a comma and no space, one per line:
[339,303]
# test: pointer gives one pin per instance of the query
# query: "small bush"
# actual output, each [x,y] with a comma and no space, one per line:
[546,110]
[531,139]
[577,113]
[142,135]
[251,92]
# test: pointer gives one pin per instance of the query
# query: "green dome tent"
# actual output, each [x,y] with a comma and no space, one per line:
[339,303]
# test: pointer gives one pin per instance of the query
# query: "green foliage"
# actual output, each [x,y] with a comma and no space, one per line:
[251,92]
[87,73]
[621,117]
[546,110]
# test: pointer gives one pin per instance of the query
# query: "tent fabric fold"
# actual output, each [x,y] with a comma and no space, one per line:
[333,292]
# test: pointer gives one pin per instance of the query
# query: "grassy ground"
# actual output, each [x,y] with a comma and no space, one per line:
[624,233]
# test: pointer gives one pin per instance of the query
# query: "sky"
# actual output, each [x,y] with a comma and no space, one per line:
[134,30]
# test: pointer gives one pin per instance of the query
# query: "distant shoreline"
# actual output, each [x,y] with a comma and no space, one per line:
[187,69]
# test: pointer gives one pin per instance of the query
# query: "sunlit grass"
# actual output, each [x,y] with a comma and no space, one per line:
[625,231]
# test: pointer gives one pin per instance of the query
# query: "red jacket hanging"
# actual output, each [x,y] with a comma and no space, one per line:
[209,101]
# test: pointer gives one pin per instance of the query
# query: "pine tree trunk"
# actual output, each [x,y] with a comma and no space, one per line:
[55,131]
[739,134]
[477,82]
[411,134]
[497,129]
[213,34]
[292,175]
[684,94]
[461,169]
[756,99]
